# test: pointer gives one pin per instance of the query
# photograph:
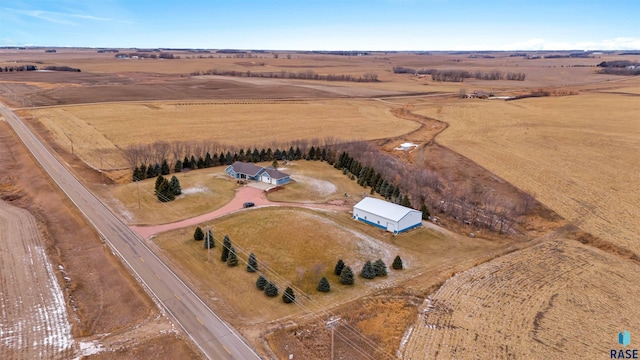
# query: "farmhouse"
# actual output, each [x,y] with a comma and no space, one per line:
[386,215]
[249,171]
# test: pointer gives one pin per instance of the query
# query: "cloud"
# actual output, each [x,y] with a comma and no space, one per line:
[60,17]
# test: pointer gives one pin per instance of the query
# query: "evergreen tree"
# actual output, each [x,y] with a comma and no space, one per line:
[150,172]
[323,285]
[228,159]
[323,154]
[241,156]
[164,168]
[380,268]
[185,163]
[255,155]
[175,186]
[263,155]
[226,244]
[198,234]
[312,153]
[270,289]
[200,163]
[425,212]
[298,154]
[274,164]
[346,276]
[159,181]
[288,296]
[368,271]
[291,153]
[156,169]
[397,263]
[192,163]
[215,161]
[405,202]
[136,174]
[261,283]
[208,161]
[252,263]
[269,155]
[232,260]
[209,242]
[277,155]
[178,167]
[339,266]
[164,192]
[143,172]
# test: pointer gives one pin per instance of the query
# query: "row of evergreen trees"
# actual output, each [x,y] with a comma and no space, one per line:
[145,171]
[367,176]
[229,256]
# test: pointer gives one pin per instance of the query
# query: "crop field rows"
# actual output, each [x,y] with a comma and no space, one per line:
[554,299]
[33,317]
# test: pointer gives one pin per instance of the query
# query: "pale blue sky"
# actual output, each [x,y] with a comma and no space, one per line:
[324,24]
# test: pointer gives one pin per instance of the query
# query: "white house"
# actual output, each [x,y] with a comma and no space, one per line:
[386,215]
[249,171]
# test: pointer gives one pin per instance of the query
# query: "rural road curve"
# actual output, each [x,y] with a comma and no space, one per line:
[212,335]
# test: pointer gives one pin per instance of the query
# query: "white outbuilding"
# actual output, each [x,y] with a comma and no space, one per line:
[386,215]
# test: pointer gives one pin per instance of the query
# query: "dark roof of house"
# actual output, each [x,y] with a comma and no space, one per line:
[246,168]
[275,174]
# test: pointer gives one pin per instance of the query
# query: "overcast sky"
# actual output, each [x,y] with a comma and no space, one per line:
[324,24]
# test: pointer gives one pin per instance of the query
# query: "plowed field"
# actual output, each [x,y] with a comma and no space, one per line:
[33,319]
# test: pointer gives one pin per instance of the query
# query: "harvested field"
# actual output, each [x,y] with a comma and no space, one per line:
[556,299]
[577,153]
[33,322]
[231,123]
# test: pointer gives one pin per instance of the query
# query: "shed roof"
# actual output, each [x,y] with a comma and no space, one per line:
[383,208]
[246,168]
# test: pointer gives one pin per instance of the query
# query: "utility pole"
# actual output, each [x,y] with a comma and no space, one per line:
[138,186]
[331,324]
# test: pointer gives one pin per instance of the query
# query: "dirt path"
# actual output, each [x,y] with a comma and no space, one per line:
[243,194]
[33,317]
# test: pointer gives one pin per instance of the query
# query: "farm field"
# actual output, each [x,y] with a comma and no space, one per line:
[34,322]
[99,131]
[558,299]
[577,153]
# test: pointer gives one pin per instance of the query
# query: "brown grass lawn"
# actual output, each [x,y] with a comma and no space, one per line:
[204,190]
[299,256]
[316,181]
[577,153]
[99,130]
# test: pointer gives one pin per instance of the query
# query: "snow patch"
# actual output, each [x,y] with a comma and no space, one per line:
[194,190]
[320,187]
[89,348]
[406,146]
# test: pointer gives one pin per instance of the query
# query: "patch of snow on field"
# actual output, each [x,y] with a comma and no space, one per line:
[320,187]
[48,322]
[89,348]
[194,190]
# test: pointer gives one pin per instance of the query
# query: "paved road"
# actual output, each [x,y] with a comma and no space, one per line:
[213,336]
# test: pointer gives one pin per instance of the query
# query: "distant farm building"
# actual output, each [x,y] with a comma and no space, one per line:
[249,171]
[386,215]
